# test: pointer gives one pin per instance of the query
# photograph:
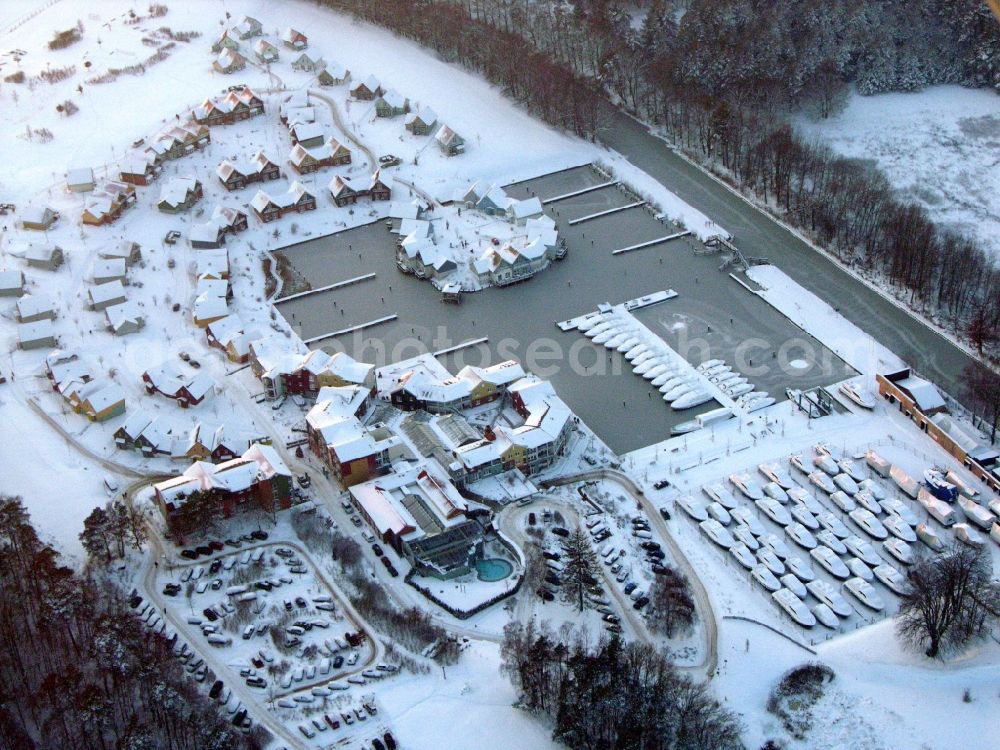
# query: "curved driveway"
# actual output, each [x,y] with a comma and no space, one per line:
[758,234]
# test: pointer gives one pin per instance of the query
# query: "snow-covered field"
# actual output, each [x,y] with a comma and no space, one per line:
[940,147]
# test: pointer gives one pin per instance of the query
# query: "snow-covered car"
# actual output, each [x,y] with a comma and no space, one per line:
[862,549]
[777,474]
[891,578]
[869,523]
[865,593]
[801,536]
[742,533]
[776,492]
[743,555]
[774,510]
[717,533]
[823,481]
[801,569]
[829,561]
[794,607]
[899,550]
[929,536]
[826,464]
[846,483]
[694,508]
[894,507]
[745,517]
[747,486]
[801,514]
[825,616]
[777,545]
[844,502]
[793,584]
[831,540]
[831,597]
[719,494]
[867,501]
[899,528]
[833,524]
[770,561]
[720,514]
[807,499]
[858,568]
[765,577]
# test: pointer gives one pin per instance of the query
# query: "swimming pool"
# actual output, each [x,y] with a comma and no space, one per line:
[493,569]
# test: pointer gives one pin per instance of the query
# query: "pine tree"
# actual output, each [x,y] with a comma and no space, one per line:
[95,537]
[580,569]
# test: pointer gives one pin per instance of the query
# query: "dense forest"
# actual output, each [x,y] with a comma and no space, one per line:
[720,78]
[78,671]
[613,696]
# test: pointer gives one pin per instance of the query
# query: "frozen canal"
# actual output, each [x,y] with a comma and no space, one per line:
[713,316]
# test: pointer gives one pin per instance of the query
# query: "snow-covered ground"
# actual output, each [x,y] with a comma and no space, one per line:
[940,147]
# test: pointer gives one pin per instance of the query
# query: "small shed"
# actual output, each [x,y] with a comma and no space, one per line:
[49,257]
[333,75]
[126,250]
[80,180]
[124,318]
[421,122]
[109,270]
[38,218]
[34,307]
[450,142]
[210,235]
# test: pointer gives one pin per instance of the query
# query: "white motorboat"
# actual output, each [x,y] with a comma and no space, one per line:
[798,461]
[869,523]
[844,503]
[874,488]
[737,390]
[846,483]
[928,536]
[904,481]
[867,500]
[589,322]
[806,498]
[679,390]
[801,569]
[759,403]
[743,534]
[777,545]
[831,540]
[652,372]
[702,420]
[862,550]
[720,514]
[628,344]
[646,355]
[793,584]
[774,472]
[865,593]
[719,494]
[852,469]
[899,550]
[831,597]
[618,339]
[794,607]
[834,525]
[827,560]
[899,528]
[647,365]
[632,354]
[967,535]
[726,378]
[767,556]
[826,464]
[858,396]
[747,486]
[894,507]
[892,578]
[774,510]
[801,536]
[711,365]
[776,492]
[859,569]
[823,481]
[939,510]
[743,555]
[765,577]
[976,513]
[664,377]
[825,616]
[717,533]
[606,335]
[748,519]
[995,532]
[690,400]
[804,516]
[694,508]
[746,398]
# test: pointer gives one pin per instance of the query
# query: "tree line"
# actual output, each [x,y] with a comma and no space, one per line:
[78,671]
[613,696]
[721,79]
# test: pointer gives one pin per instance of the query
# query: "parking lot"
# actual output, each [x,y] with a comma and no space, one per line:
[711,308]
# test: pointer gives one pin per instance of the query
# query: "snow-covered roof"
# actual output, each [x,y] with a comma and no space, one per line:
[928,397]
[36,331]
[112,290]
[403,210]
[394,99]
[526,208]
[426,115]
[80,176]
[208,306]
[175,192]
[34,304]
[126,313]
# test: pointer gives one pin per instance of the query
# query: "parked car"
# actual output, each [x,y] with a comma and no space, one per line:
[259,535]
[560,531]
